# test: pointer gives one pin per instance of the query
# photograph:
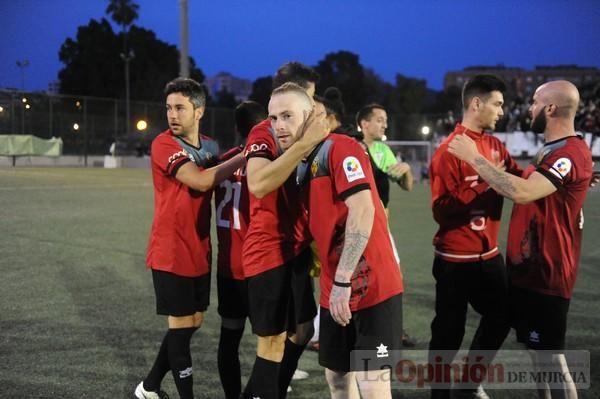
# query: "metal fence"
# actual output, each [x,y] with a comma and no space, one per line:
[89,125]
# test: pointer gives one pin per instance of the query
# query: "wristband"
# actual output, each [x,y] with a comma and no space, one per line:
[341,284]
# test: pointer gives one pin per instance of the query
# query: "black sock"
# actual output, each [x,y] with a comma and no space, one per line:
[263,380]
[159,369]
[180,360]
[229,362]
[289,363]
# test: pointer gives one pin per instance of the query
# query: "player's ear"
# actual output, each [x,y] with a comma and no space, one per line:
[198,113]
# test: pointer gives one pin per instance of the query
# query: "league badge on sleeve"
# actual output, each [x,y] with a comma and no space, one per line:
[561,167]
[353,169]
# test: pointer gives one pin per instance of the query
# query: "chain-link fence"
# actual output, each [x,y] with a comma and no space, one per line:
[89,125]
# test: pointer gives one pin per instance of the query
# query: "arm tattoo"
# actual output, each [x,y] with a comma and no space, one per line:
[499,180]
[355,243]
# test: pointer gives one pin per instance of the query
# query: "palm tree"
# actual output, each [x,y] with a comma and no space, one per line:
[124,12]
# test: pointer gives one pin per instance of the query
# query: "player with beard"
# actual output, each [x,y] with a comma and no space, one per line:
[276,255]
[544,240]
[232,219]
[179,249]
[468,267]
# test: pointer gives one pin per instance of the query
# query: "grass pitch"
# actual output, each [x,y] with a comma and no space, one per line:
[77,316]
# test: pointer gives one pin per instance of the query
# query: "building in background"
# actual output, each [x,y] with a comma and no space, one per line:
[240,88]
[522,82]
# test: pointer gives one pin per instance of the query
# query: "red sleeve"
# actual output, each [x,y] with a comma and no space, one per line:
[558,167]
[451,193]
[512,166]
[261,143]
[168,155]
[227,155]
[350,168]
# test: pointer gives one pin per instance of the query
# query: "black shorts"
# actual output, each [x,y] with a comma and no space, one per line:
[179,295]
[364,344]
[233,297]
[281,298]
[539,320]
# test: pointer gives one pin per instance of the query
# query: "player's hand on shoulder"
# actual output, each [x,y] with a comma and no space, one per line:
[314,129]
[462,147]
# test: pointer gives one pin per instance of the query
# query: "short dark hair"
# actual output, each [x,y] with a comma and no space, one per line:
[481,86]
[247,115]
[365,112]
[295,72]
[189,88]
[333,102]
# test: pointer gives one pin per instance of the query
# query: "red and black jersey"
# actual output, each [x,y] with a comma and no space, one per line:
[278,229]
[338,168]
[544,239]
[466,208]
[180,236]
[232,219]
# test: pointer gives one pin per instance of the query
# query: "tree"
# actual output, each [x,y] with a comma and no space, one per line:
[123,12]
[93,63]
[261,90]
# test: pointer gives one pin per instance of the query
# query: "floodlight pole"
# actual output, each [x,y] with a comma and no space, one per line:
[22,64]
[184,65]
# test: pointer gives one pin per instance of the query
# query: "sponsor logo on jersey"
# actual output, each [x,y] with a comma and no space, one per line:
[178,155]
[353,169]
[561,167]
[256,148]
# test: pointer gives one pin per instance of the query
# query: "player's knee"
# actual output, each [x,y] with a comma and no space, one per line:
[271,346]
[338,381]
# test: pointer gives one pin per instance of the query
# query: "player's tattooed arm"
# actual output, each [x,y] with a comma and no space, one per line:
[355,242]
[519,190]
[497,178]
[361,213]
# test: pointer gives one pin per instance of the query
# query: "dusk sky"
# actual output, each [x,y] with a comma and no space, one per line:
[251,38]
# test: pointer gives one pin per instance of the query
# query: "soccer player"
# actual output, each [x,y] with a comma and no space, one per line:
[468,267]
[361,286]
[544,240]
[179,246]
[372,121]
[232,219]
[275,255]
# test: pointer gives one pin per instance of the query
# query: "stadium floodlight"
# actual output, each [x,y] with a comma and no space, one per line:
[75,126]
[141,125]
[384,138]
[24,100]
[425,130]
[1,108]
[27,106]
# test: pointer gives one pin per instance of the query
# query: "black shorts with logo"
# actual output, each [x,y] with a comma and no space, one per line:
[179,295]
[281,298]
[539,320]
[372,339]
[233,297]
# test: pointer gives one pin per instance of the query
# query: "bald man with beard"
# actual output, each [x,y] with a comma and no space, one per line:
[544,240]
